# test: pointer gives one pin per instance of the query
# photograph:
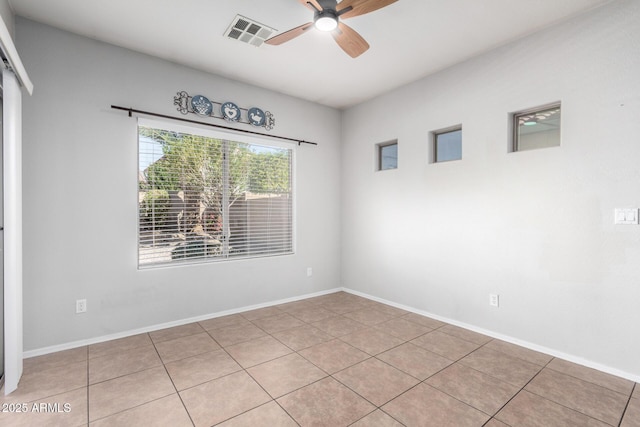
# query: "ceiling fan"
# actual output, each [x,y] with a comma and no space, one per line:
[327,15]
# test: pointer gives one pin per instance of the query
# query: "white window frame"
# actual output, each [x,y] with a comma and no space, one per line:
[227,136]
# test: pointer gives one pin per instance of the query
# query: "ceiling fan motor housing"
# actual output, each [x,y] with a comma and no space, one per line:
[330,18]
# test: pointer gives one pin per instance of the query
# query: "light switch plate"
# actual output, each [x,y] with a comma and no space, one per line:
[626,216]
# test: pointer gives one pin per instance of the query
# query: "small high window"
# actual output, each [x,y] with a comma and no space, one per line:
[447,144]
[387,155]
[536,128]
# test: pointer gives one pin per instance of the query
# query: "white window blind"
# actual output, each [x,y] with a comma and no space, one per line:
[209,198]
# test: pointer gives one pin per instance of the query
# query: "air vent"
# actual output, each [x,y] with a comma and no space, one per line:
[248,31]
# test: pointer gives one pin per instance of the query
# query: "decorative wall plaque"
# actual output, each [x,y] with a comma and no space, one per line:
[229,111]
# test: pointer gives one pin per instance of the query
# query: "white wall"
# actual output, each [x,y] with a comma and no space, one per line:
[80,194]
[535,227]
[7,15]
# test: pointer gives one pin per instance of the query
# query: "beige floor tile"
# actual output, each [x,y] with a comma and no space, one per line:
[122,363]
[175,332]
[277,323]
[218,400]
[48,382]
[445,345]
[385,308]
[403,328]
[342,307]
[261,312]
[465,334]
[333,356]
[529,410]
[312,314]
[414,360]
[376,381]
[519,352]
[631,416]
[285,374]
[259,350]
[202,368]
[502,366]
[181,348]
[52,360]
[325,403]
[474,388]
[270,414]
[235,334]
[63,410]
[223,322]
[423,320]
[118,345]
[338,326]
[113,396]
[165,412]
[588,398]
[372,341]
[636,391]
[368,316]
[293,306]
[302,337]
[377,419]
[495,423]
[600,378]
[424,405]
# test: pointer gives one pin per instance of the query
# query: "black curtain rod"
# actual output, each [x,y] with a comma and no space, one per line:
[182,119]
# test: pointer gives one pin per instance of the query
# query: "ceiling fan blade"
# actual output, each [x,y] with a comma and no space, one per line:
[288,35]
[360,7]
[349,40]
[313,2]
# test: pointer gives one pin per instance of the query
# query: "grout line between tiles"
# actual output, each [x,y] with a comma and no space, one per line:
[546,398]
[164,365]
[627,405]
[591,382]
[87,408]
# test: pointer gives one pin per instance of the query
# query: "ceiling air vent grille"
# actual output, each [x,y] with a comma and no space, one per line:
[248,31]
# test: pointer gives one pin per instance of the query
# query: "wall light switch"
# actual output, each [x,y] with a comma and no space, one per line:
[494,300]
[626,216]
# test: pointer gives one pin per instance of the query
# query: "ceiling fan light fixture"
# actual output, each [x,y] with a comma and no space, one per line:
[326,21]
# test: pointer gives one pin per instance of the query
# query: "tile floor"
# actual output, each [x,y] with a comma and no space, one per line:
[334,360]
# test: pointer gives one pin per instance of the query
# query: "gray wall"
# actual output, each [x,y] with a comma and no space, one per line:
[7,15]
[80,194]
[535,227]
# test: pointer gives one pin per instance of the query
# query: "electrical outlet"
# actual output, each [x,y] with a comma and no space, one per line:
[309,271]
[81,306]
[494,300]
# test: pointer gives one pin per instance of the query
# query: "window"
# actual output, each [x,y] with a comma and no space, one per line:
[447,144]
[387,155]
[536,128]
[208,197]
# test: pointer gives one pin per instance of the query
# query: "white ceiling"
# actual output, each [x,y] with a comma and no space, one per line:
[409,39]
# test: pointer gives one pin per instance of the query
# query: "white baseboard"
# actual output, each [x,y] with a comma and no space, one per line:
[541,349]
[551,352]
[124,334]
